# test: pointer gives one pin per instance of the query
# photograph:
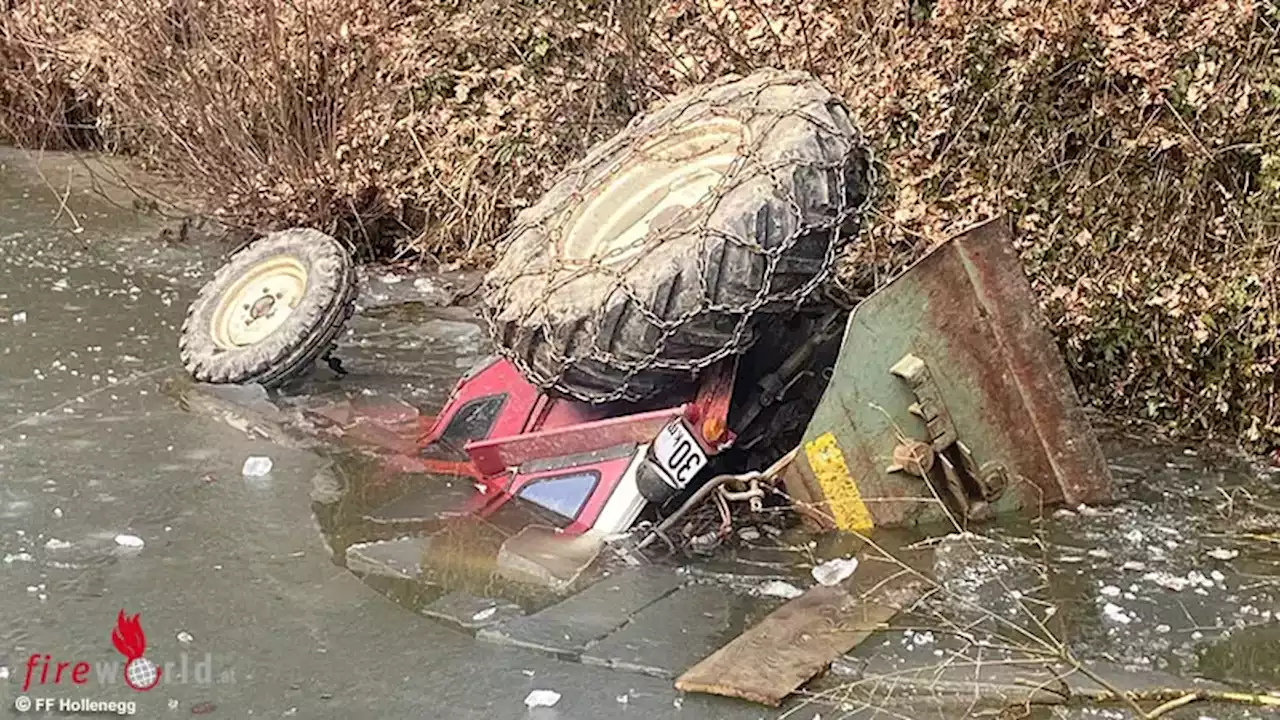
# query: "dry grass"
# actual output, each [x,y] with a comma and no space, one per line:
[1136,144]
[408,128]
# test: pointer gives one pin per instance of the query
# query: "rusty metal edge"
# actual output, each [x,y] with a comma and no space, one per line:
[1044,382]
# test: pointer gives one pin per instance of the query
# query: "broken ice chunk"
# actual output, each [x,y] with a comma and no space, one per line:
[129,541]
[541,698]
[1195,577]
[834,571]
[1115,613]
[1166,580]
[778,588]
[256,466]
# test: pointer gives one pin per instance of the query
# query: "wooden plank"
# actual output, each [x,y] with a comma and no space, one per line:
[773,659]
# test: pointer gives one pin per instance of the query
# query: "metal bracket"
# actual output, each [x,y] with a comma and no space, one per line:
[929,406]
[944,461]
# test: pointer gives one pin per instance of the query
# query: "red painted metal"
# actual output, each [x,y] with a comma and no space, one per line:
[553,413]
[384,426]
[430,466]
[495,455]
[494,492]
[610,472]
[495,378]
[557,428]
[529,426]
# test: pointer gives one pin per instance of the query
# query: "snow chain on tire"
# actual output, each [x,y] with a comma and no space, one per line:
[661,251]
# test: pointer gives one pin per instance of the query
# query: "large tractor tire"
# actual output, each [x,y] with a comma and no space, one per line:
[665,248]
[271,311]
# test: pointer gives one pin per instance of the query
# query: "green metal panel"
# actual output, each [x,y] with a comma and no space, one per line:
[968,313]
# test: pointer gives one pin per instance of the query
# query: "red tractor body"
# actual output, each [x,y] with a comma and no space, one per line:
[586,463]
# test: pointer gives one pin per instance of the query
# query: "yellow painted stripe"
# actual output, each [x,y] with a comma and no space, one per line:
[841,491]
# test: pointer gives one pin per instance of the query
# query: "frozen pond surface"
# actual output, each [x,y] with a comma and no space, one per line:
[116,492]
[93,445]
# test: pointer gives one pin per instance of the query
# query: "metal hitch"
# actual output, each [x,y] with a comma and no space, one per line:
[949,400]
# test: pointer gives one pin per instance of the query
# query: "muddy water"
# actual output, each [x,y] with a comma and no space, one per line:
[112,497]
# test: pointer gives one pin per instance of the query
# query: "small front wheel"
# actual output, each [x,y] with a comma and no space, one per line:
[271,311]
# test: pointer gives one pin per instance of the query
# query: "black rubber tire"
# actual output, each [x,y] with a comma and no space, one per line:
[311,329]
[696,294]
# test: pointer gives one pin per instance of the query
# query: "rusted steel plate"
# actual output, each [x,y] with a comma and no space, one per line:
[968,311]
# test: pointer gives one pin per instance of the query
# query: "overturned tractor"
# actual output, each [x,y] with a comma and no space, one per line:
[664,336]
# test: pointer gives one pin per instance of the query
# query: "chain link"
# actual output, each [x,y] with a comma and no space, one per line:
[547,219]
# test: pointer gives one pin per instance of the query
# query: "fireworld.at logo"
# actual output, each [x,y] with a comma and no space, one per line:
[139,672]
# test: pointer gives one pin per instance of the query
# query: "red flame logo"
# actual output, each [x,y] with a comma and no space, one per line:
[139,673]
[128,636]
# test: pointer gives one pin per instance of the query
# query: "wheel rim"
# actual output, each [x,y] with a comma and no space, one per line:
[259,302]
[670,176]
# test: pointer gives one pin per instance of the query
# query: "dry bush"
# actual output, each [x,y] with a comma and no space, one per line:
[1134,142]
[411,127]
[41,101]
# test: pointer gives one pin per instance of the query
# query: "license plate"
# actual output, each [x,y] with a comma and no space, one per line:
[678,453]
